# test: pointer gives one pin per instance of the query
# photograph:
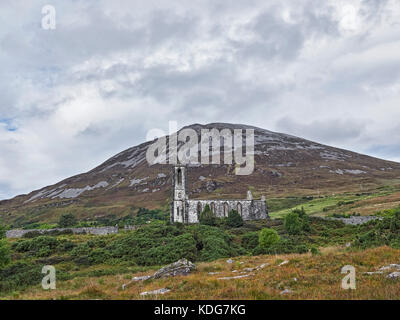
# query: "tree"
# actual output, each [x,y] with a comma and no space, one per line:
[234,219]
[67,220]
[207,216]
[267,238]
[292,223]
[5,256]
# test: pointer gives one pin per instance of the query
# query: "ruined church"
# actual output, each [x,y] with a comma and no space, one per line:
[186,211]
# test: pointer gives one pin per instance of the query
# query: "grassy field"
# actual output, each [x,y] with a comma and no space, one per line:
[363,203]
[305,275]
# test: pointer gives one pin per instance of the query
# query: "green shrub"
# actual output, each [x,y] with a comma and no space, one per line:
[41,246]
[162,244]
[19,276]
[297,222]
[267,238]
[284,246]
[250,240]
[395,244]
[98,256]
[213,243]
[292,223]
[67,220]
[207,217]
[234,219]
[182,246]
[31,234]
[2,231]
[5,256]
[66,245]
[80,250]
[315,251]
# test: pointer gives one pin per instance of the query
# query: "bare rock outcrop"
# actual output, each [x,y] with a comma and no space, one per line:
[181,267]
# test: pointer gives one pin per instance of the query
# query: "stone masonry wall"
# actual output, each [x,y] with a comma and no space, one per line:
[251,209]
[18,233]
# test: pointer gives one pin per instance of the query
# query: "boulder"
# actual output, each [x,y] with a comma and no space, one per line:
[155,292]
[394,275]
[286,291]
[180,268]
[283,263]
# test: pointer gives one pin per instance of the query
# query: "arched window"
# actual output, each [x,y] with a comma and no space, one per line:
[226,209]
[212,206]
[177,211]
[239,208]
[179,176]
[199,208]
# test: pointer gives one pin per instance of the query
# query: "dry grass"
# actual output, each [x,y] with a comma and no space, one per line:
[308,277]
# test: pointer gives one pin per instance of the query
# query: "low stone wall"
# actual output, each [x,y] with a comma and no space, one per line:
[18,233]
[356,220]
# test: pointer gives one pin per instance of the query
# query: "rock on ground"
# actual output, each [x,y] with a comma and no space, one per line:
[235,277]
[283,263]
[180,268]
[394,275]
[286,291]
[158,291]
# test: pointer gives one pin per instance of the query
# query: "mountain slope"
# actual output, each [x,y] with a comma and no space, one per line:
[284,165]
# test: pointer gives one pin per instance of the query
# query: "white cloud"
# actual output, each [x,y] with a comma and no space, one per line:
[112,70]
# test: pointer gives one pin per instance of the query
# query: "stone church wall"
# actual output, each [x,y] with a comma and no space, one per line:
[250,209]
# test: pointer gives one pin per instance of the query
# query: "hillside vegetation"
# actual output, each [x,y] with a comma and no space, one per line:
[84,259]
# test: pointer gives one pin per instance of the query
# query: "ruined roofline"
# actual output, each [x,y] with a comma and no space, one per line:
[226,200]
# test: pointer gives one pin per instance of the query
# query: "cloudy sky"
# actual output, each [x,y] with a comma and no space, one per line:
[72,97]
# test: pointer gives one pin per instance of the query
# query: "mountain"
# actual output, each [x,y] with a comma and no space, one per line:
[284,165]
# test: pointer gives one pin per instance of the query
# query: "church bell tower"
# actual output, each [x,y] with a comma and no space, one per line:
[178,208]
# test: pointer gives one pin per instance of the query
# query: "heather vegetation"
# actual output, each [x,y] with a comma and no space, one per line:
[160,242]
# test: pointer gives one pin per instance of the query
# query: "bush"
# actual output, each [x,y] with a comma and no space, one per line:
[2,231]
[98,256]
[19,276]
[82,249]
[292,223]
[183,246]
[250,240]
[212,243]
[207,217]
[66,245]
[5,257]
[315,251]
[267,238]
[67,220]
[283,246]
[234,219]
[378,233]
[163,244]
[41,246]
